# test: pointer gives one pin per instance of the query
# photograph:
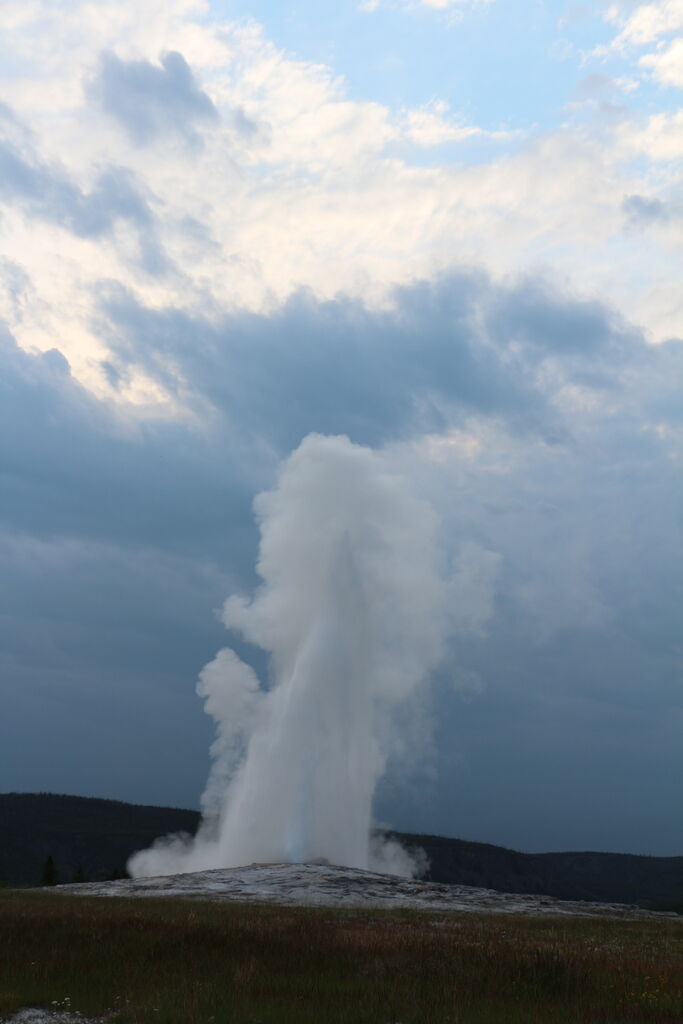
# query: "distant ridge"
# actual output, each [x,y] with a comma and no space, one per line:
[92,838]
[653,883]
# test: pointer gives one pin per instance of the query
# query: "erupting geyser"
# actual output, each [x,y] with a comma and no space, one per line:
[351,613]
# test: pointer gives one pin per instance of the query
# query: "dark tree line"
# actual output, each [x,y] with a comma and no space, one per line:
[50,875]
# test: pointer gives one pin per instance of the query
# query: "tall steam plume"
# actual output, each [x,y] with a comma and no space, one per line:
[350,614]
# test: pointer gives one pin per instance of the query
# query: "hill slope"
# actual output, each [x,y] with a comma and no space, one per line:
[98,836]
[654,883]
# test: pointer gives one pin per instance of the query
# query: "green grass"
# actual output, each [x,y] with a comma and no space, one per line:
[195,962]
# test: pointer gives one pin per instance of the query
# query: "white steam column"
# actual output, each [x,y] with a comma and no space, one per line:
[351,613]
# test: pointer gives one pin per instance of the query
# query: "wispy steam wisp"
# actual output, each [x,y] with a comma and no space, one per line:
[351,614]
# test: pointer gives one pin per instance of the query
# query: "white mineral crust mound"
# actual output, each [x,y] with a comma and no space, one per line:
[325,885]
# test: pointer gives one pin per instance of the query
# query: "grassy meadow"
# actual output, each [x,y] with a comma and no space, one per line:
[196,962]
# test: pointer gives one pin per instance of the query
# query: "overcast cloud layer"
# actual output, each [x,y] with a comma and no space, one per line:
[211,247]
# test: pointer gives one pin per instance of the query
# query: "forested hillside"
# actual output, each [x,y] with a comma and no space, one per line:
[45,837]
[84,836]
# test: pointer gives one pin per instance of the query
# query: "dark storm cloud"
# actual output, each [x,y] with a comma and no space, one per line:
[117,541]
[71,468]
[554,773]
[337,367]
[260,383]
[98,643]
[460,347]
[553,325]
[149,101]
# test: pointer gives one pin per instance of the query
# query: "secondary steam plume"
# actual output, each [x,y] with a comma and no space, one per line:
[350,613]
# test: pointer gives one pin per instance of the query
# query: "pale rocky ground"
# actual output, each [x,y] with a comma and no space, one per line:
[324,885]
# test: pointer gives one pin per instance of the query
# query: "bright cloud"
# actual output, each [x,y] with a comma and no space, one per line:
[667,65]
[243,174]
[431,126]
[648,23]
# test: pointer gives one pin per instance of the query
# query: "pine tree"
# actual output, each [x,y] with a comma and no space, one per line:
[117,874]
[49,872]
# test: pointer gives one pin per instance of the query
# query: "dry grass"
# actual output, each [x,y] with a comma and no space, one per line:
[192,962]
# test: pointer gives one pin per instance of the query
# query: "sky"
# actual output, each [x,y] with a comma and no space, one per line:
[450,230]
